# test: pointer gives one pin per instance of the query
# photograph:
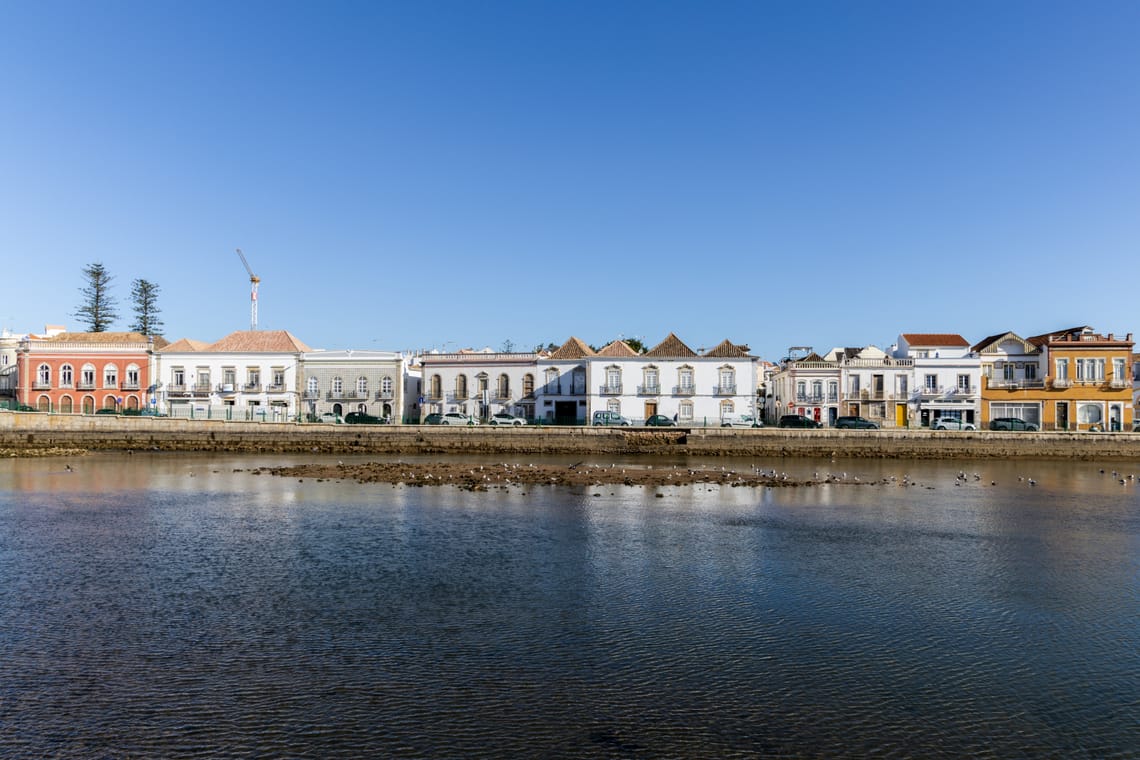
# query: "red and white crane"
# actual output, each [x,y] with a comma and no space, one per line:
[253,280]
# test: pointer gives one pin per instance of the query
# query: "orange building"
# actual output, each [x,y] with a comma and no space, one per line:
[1072,379]
[83,372]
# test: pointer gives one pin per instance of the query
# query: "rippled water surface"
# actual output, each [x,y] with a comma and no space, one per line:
[166,606]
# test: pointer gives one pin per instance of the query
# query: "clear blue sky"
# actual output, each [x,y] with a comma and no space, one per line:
[448,174]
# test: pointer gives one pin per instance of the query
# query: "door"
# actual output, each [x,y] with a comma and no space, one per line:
[900,415]
[1062,415]
[650,409]
[566,412]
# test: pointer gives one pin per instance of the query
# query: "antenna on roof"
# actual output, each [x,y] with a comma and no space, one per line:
[253,280]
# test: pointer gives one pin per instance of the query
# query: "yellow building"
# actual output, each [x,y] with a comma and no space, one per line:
[1072,379]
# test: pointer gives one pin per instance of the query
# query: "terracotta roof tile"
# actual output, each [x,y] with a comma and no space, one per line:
[936,339]
[105,337]
[258,341]
[726,349]
[671,347]
[572,349]
[616,349]
[185,345]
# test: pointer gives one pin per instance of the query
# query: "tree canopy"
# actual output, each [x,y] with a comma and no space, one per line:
[97,310]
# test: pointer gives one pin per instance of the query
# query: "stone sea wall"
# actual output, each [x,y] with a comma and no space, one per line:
[29,433]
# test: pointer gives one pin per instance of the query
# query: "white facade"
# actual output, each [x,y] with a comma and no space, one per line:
[874,385]
[248,375]
[947,377]
[479,383]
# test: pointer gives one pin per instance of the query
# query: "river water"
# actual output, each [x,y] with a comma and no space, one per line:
[170,606]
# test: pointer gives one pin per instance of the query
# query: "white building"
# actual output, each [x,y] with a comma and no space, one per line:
[806,385]
[247,375]
[947,376]
[561,396]
[674,380]
[873,385]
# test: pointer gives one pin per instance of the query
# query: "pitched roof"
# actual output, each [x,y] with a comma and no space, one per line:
[726,349]
[185,345]
[572,349]
[106,337]
[671,347]
[616,349]
[258,341]
[1039,340]
[935,339]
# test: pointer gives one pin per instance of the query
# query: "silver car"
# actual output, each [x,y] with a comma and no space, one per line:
[953,423]
[457,418]
[502,418]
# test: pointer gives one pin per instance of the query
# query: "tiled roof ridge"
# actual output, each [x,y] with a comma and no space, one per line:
[258,341]
[935,339]
[671,347]
[615,349]
[573,348]
[727,349]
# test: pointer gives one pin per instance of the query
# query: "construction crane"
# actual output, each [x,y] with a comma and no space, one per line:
[253,280]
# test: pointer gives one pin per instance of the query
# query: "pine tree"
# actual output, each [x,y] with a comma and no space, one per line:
[144,296]
[98,308]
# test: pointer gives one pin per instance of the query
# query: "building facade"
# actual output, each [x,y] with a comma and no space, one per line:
[947,377]
[479,383]
[340,382]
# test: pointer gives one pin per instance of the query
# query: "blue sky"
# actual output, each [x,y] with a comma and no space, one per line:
[449,174]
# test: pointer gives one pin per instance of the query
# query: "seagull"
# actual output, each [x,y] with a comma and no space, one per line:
[68,468]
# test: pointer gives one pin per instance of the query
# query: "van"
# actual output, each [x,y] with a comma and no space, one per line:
[610,418]
[742,421]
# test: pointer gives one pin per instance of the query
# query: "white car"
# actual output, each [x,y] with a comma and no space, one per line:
[743,421]
[456,418]
[953,423]
[502,418]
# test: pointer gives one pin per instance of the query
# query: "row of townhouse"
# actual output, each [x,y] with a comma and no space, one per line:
[570,384]
[1071,379]
[1068,379]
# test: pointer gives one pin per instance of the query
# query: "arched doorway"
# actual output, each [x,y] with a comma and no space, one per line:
[65,405]
[89,405]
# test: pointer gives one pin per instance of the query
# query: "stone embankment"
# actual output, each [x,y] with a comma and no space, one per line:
[29,433]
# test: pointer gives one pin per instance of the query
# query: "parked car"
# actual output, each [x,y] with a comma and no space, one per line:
[457,418]
[798,421]
[106,411]
[26,408]
[855,423]
[435,418]
[741,421]
[660,420]
[360,418]
[952,423]
[329,418]
[502,418]
[1011,423]
[610,418]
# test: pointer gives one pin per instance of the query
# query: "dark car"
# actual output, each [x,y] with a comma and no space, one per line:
[434,419]
[798,421]
[106,411]
[26,408]
[1011,423]
[360,418]
[855,423]
[660,420]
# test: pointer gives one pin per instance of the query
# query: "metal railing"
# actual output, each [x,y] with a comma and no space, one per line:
[610,390]
[724,390]
[684,390]
[649,390]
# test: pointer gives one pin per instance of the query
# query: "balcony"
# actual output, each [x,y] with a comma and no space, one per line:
[251,388]
[649,390]
[83,385]
[385,395]
[501,396]
[40,385]
[346,396]
[201,389]
[131,385]
[311,395]
[724,390]
[226,388]
[1062,382]
[684,390]
[807,398]
[610,390]
[433,395]
[176,389]
[111,385]
[1118,383]
[965,390]
[275,388]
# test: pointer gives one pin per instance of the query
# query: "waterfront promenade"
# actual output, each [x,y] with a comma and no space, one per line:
[28,433]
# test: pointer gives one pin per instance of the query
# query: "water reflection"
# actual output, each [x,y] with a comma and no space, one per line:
[165,606]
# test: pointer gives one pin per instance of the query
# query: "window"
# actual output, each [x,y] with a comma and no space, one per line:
[203,384]
[87,376]
[832,390]
[229,378]
[817,389]
[552,382]
[1008,371]
[801,390]
[461,386]
[504,386]
[1090,370]
[528,385]
[727,380]
[481,383]
[1062,369]
[386,386]
[1089,414]
[1118,372]
[312,386]
[649,375]
[110,376]
[278,374]
[1030,371]
[902,383]
[66,376]
[132,376]
[178,377]
[253,377]
[613,405]
[685,379]
[963,383]
[853,382]
[436,386]
[578,381]
[727,408]
[685,410]
[362,386]
[337,386]
[931,383]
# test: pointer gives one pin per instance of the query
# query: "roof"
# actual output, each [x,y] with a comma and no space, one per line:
[935,339]
[616,349]
[727,350]
[105,337]
[258,341]
[185,345]
[572,349]
[671,347]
